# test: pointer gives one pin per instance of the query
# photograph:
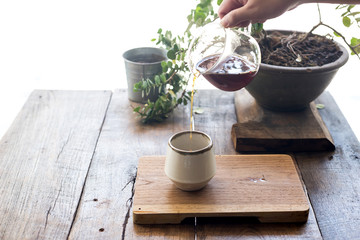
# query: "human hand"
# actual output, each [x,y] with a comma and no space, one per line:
[240,13]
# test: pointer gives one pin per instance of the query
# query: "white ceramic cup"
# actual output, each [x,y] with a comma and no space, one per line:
[190,162]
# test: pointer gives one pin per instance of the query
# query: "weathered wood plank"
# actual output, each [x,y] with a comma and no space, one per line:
[123,140]
[264,186]
[332,178]
[44,159]
[39,192]
[105,211]
[217,120]
[262,130]
[247,228]
[106,203]
[251,228]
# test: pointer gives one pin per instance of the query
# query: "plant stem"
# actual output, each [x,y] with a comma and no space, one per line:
[171,77]
[338,33]
[318,7]
[351,47]
[182,95]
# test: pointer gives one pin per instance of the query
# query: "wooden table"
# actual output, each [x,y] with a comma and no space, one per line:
[68,165]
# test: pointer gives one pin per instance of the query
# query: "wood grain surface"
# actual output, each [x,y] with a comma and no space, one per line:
[66,173]
[332,178]
[217,119]
[263,186]
[261,130]
[124,140]
[106,205]
[44,160]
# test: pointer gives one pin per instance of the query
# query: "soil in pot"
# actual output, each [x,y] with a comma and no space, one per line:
[295,69]
[298,50]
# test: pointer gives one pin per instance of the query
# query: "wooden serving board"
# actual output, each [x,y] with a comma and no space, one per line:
[263,186]
[262,130]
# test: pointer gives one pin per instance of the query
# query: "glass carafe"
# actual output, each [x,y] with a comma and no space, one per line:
[227,57]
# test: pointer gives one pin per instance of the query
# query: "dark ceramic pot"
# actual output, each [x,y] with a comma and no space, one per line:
[292,88]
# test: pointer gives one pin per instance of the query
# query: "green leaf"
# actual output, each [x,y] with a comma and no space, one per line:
[176,47]
[189,17]
[137,109]
[256,28]
[341,6]
[168,34]
[172,93]
[182,67]
[157,80]
[149,82]
[163,78]
[350,7]
[167,42]
[164,66]
[346,21]
[157,105]
[137,86]
[163,98]
[171,54]
[354,13]
[320,106]
[355,42]
[344,14]
[336,34]
[169,64]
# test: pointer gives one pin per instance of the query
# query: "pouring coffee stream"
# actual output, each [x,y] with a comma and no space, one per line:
[192,122]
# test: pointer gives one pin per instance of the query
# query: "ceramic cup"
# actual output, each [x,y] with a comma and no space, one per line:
[190,162]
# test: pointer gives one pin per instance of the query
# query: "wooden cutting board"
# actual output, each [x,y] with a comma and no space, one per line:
[263,186]
[262,130]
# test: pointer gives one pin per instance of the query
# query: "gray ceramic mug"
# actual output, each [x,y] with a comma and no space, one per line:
[142,63]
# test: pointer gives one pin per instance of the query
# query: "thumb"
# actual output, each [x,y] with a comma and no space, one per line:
[240,17]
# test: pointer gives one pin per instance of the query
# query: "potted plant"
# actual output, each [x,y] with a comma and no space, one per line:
[297,67]
[175,75]
[143,63]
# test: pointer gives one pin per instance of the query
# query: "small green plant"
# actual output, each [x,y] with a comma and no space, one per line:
[172,82]
[350,16]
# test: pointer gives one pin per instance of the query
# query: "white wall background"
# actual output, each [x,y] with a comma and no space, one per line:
[78,44]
